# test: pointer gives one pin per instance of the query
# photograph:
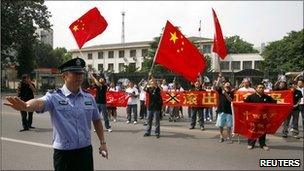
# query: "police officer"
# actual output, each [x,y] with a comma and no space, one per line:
[71,111]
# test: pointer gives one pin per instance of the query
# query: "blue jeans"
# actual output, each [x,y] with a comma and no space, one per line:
[209,113]
[103,109]
[194,112]
[151,115]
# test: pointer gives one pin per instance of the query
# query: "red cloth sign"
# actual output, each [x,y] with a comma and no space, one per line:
[117,99]
[284,96]
[219,45]
[252,120]
[179,55]
[88,26]
[190,98]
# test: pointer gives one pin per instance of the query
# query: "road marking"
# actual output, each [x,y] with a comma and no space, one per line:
[27,142]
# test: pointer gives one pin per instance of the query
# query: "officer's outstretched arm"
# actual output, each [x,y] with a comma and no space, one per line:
[18,104]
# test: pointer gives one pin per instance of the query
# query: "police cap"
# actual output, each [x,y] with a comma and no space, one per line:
[73,65]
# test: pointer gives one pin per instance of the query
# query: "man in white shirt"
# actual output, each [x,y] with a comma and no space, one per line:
[132,102]
[245,86]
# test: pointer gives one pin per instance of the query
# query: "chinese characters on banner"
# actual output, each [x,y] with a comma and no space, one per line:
[284,96]
[252,120]
[191,98]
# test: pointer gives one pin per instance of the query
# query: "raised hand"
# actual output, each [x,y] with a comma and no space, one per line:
[16,103]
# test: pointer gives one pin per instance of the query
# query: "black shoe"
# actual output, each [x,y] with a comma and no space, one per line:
[146,135]
[284,136]
[32,127]
[221,140]
[202,128]
[157,136]
[26,129]
[192,127]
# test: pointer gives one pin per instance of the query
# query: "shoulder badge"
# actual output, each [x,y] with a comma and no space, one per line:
[63,102]
[88,102]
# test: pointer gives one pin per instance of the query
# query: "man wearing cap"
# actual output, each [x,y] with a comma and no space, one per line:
[72,111]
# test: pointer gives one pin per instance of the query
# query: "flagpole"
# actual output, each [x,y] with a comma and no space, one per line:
[153,63]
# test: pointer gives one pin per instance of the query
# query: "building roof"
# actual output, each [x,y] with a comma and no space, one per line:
[132,45]
[115,46]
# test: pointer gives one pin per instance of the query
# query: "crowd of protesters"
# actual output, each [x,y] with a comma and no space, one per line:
[151,106]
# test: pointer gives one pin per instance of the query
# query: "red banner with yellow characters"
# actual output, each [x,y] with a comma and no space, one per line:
[190,98]
[282,97]
[252,120]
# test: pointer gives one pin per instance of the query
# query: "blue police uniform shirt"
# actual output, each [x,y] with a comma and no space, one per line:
[71,116]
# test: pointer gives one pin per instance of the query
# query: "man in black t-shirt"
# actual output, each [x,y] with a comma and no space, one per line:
[154,107]
[101,100]
[224,108]
[259,97]
[26,91]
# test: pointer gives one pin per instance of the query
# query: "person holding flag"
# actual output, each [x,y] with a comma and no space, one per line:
[259,97]
[226,95]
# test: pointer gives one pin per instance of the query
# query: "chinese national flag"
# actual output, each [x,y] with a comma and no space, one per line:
[88,26]
[179,55]
[252,120]
[219,45]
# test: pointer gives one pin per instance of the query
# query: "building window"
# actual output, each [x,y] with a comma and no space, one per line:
[121,54]
[258,65]
[132,53]
[236,65]
[100,67]
[100,55]
[132,65]
[121,67]
[247,64]
[111,54]
[90,56]
[207,48]
[224,65]
[144,52]
[111,67]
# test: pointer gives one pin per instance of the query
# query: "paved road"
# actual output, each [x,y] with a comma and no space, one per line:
[178,148]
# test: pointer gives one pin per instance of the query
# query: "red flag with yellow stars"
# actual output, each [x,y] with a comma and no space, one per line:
[88,26]
[179,55]
[252,120]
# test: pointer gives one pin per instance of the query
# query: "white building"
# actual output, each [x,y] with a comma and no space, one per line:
[238,62]
[45,36]
[112,57]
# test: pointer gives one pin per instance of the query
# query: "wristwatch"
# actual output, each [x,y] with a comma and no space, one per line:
[103,142]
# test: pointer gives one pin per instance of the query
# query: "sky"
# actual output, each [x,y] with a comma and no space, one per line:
[254,21]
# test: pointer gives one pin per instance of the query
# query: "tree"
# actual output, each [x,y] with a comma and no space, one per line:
[48,57]
[235,45]
[19,20]
[286,54]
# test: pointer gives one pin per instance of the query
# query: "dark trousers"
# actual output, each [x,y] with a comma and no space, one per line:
[295,118]
[71,160]
[27,119]
[103,109]
[131,108]
[194,112]
[143,109]
[153,114]
[262,141]
[301,107]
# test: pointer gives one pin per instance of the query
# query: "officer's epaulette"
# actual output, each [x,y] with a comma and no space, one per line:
[54,90]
